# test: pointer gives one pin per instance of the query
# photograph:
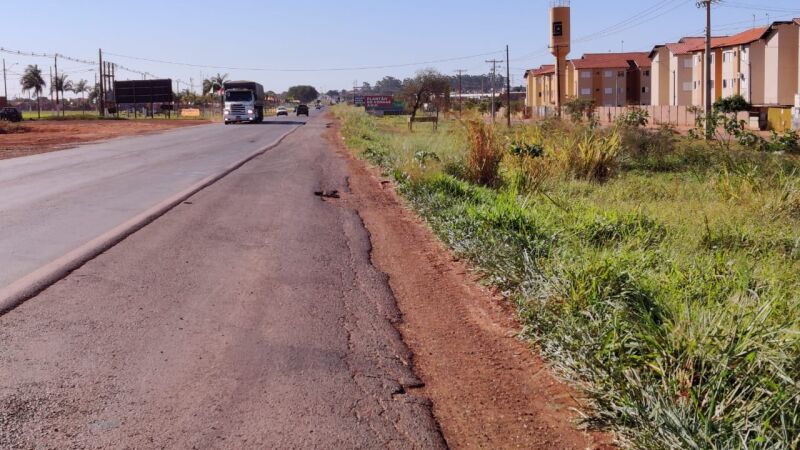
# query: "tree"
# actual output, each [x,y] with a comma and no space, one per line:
[32,81]
[303,93]
[214,85]
[388,85]
[81,87]
[332,93]
[94,93]
[60,84]
[426,87]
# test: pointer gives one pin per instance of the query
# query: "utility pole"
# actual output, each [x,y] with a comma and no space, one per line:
[5,86]
[460,72]
[51,83]
[101,102]
[55,60]
[709,131]
[494,63]
[508,88]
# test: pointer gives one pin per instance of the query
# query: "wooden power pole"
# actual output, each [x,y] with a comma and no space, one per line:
[494,63]
[508,88]
[460,72]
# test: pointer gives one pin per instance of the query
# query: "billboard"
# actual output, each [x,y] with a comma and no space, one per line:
[143,91]
[358,100]
[378,101]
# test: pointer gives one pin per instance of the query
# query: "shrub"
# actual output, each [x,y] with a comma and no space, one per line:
[484,153]
[732,104]
[579,108]
[590,155]
[634,118]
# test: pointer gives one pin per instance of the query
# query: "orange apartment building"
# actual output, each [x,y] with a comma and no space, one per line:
[611,79]
[672,72]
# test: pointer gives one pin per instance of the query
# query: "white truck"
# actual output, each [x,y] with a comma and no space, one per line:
[244,102]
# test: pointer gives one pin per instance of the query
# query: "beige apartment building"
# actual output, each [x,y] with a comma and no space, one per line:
[611,79]
[781,56]
[672,72]
[760,64]
[541,86]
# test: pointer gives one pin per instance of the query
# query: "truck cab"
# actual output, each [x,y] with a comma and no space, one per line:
[244,102]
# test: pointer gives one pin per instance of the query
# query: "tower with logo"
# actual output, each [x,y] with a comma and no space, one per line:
[560,39]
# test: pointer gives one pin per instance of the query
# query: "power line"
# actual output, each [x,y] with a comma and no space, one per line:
[329,69]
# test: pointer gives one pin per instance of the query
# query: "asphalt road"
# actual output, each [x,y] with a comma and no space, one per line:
[54,202]
[248,317]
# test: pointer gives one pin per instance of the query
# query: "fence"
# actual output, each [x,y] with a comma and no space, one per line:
[677,116]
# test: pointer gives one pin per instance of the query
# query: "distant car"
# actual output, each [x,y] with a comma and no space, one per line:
[282,111]
[10,114]
[302,110]
[319,106]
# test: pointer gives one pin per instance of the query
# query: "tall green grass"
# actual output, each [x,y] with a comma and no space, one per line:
[667,288]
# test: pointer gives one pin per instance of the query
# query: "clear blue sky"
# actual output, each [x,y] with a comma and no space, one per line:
[323,34]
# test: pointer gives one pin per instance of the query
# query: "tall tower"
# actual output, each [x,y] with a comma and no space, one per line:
[560,39]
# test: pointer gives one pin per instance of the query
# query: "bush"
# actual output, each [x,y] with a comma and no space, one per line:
[590,155]
[634,118]
[733,104]
[579,108]
[484,153]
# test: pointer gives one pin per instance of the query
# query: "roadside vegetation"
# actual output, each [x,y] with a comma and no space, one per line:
[657,272]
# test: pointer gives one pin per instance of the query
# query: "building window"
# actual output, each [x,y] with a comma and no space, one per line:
[647,73]
[608,74]
[609,91]
[687,86]
[586,91]
[688,63]
[724,83]
[586,74]
[621,74]
[644,89]
[695,85]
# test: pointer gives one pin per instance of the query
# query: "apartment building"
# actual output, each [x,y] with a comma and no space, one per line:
[541,86]
[612,79]
[672,71]
[743,65]
[781,69]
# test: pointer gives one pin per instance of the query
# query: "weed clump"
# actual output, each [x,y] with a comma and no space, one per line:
[484,153]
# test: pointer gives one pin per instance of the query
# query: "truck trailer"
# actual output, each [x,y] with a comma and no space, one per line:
[244,102]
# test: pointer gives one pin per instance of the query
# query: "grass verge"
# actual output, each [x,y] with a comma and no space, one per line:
[657,273]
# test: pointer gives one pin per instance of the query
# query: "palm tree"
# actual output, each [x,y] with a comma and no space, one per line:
[61,84]
[214,85]
[81,87]
[32,81]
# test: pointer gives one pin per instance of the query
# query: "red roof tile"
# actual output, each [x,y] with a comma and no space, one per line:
[745,37]
[683,46]
[611,60]
[542,70]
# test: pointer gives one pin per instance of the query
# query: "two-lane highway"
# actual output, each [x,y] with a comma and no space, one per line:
[53,203]
[248,317]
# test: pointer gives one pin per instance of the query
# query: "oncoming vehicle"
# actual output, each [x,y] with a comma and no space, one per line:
[281,111]
[244,102]
[302,110]
[10,114]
